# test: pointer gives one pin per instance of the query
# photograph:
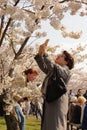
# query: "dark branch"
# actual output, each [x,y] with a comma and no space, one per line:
[13,47]
[6,28]
[81,1]
[21,48]
[2,22]
[62,1]
[29,11]
[16,2]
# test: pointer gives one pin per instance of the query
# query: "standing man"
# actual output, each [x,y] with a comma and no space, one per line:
[54,113]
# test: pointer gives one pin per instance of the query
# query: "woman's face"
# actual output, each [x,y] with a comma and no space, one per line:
[60,59]
[31,77]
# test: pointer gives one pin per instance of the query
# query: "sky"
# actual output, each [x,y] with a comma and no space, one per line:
[74,23]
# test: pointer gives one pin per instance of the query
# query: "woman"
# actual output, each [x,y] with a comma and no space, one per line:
[82,103]
[74,111]
[55,113]
[31,74]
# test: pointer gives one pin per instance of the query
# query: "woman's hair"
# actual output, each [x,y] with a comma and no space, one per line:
[30,71]
[69,59]
[25,98]
[81,99]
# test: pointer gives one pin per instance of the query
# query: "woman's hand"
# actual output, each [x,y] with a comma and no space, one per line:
[43,48]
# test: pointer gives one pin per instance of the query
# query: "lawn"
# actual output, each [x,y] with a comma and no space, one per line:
[31,124]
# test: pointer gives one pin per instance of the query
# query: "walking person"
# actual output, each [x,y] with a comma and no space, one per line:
[38,108]
[54,113]
[19,112]
[27,107]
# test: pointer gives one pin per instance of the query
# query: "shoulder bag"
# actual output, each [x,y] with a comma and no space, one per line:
[56,87]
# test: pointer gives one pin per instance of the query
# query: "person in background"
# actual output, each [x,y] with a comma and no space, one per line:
[79,93]
[20,115]
[70,95]
[85,94]
[82,102]
[27,107]
[32,110]
[74,111]
[84,120]
[38,108]
[55,113]
[31,74]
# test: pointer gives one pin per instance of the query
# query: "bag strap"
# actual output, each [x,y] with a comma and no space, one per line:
[59,78]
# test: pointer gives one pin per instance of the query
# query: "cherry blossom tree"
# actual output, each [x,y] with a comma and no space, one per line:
[20,19]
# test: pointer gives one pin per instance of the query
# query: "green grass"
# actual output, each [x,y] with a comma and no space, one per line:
[31,124]
[2,124]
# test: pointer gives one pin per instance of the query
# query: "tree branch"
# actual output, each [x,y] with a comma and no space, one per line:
[29,11]
[2,76]
[21,48]
[80,1]
[2,22]
[6,28]
[16,2]
[13,47]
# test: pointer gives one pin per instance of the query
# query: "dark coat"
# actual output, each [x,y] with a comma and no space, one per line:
[74,113]
[84,121]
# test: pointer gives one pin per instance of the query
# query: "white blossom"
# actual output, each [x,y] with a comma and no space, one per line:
[72,34]
[74,7]
[75,35]
[55,23]
[38,34]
